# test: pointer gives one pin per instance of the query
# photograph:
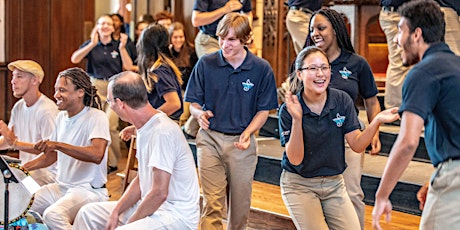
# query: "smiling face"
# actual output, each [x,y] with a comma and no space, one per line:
[322,33]
[177,39]
[315,73]
[117,23]
[67,97]
[105,26]
[231,46]
[404,40]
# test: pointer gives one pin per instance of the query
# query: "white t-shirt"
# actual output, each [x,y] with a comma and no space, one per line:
[78,130]
[34,123]
[161,144]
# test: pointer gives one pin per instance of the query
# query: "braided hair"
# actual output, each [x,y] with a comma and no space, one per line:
[338,24]
[82,81]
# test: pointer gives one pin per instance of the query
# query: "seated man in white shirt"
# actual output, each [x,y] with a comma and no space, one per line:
[165,193]
[25,84]
[79,146]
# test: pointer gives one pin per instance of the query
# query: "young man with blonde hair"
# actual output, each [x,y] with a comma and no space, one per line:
[231,92]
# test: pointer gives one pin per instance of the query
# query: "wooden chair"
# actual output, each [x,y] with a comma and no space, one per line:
[131,164]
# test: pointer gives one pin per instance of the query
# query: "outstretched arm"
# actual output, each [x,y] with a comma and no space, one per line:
[91,153]
[400,155]
[358,140]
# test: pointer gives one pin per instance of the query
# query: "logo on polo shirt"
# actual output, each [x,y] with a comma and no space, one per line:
[345,73]
[339,120]
[247,85]
[285,133]
[114,54]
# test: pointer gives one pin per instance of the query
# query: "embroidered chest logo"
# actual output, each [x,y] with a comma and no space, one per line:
[339,120]
[345,73]
[285,133]
[114,54]
[247,85]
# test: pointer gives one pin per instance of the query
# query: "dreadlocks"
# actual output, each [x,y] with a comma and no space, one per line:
[338,24]
[82,81]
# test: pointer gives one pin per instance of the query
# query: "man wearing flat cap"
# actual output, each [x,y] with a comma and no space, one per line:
[32,117]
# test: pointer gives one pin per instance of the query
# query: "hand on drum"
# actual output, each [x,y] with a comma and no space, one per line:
[8,134]
[46,146]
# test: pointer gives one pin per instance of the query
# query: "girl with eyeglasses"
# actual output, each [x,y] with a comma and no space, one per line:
[314,123]
[352,74]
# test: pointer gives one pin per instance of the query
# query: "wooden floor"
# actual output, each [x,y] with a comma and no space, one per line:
[268,197]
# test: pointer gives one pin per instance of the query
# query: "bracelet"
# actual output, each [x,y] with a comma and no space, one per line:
[14,143]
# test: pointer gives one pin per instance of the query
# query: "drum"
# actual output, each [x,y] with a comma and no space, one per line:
[31,220]
[19,198]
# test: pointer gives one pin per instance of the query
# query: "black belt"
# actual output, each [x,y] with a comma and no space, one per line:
[303,9]
[453,158]
[230,134]
[389,8]
[103,186]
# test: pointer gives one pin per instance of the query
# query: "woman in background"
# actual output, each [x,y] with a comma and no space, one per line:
[184,56]
[161,76]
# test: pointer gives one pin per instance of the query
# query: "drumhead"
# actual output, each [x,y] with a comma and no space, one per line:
[19,198]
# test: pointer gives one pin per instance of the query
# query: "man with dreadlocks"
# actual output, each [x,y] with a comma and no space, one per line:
[79,146]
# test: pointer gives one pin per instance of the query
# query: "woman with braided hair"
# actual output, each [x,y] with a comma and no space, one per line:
[352,74]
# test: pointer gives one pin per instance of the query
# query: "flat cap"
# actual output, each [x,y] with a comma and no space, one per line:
[28,66]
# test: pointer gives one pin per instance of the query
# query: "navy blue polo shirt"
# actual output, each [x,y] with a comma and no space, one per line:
[432,91]
[323,135]
[233,95]
[312,5]
[352,74]
[104,61]
[394,3]
[211,5]
[167,82]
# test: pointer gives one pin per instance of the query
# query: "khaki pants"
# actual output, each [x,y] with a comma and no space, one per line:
[352,177]
[226,175]
[205,44]
[396,72]
[441,209]
[319,203]
[297,23]
[114,152]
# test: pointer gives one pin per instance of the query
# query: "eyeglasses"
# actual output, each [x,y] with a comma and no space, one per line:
[110,101]
[105,24]
[315,69]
